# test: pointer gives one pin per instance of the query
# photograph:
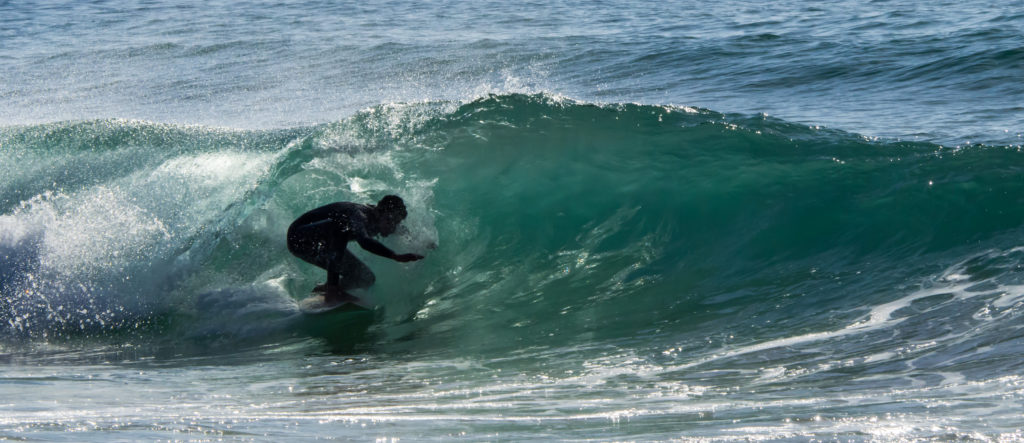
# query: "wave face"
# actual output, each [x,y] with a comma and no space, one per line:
[739,245]
[570,218]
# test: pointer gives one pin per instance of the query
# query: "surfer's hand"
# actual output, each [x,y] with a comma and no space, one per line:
[407,257]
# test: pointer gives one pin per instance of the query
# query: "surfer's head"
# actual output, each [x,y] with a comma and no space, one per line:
[390,212]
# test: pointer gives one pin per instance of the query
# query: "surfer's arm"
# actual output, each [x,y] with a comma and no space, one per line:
[376,247]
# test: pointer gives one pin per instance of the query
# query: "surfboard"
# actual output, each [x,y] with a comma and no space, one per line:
[316,305]
[343,325]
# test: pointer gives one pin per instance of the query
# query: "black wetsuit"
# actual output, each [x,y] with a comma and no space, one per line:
[321,236]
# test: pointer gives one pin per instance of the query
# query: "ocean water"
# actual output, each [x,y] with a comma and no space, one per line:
[641,221]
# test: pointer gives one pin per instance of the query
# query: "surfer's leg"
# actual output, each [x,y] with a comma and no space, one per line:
[332,279]
[333,291]
[316,244]
[309,243]
[354,274]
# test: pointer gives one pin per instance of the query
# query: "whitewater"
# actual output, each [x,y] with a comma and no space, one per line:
[641,222]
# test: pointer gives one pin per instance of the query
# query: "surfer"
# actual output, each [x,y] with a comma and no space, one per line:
[320,237]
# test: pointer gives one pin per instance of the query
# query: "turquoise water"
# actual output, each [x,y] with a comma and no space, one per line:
[641,222]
